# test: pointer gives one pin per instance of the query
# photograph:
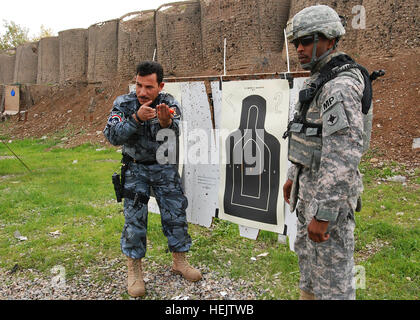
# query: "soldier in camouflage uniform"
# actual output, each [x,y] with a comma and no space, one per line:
[325,149]
[135,122]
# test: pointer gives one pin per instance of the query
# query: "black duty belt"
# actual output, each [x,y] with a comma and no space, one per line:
[127,159]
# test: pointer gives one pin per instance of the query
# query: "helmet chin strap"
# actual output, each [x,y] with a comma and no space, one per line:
[315,59]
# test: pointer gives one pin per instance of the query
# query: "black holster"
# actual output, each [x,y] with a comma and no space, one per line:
[118,187]
[119,181]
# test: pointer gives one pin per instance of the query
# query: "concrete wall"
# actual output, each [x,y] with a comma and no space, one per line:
[7,68]
[26,63]
[136,41]
[178,34]
[73,55]
[102,51]
[48,61]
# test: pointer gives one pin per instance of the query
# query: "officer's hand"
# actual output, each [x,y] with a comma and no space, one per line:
[145,112]
[287,188]
[164,115]
[317,230]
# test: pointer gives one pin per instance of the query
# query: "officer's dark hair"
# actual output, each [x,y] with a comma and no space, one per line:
[149,67]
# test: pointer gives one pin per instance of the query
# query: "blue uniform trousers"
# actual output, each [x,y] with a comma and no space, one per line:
[166,185]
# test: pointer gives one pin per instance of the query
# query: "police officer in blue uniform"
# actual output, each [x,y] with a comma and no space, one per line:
[136,122]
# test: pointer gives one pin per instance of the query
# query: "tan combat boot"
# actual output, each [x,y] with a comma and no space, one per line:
[306,295]
[135,283]
[181,266]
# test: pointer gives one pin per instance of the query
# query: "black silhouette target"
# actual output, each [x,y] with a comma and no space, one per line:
[253,166]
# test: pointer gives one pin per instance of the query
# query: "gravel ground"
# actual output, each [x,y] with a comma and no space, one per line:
[161,284]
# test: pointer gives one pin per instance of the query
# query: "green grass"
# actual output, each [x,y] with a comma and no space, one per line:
[73,198]
[390,219]
[77,198]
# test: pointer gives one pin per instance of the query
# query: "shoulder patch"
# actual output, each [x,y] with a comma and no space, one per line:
[334,119]
[330,101]
[115,117]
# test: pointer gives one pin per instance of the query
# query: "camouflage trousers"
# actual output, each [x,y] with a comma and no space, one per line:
[166,185]
[326,268]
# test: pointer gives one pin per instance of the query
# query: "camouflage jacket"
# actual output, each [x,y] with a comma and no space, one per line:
[336,177]
[138,139]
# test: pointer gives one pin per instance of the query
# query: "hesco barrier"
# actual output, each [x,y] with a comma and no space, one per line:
[373,26]
[73,55]
[390,26]
[7,68]
[136,41]
[102,51]
[26,63]
[253,30]
[178,35]
[189,39]
[48,61]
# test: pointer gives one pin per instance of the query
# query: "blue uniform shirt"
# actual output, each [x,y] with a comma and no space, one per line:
[138,139]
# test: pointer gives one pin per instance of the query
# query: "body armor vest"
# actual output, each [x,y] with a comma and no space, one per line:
[305,130]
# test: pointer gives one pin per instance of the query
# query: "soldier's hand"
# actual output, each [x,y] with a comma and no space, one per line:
[287,188]
[145,112]
[317,230]
[164,115]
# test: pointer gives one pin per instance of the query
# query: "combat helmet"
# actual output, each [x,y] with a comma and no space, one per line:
[314,20]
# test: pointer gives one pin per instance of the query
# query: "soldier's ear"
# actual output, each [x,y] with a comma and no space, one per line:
[331,43]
